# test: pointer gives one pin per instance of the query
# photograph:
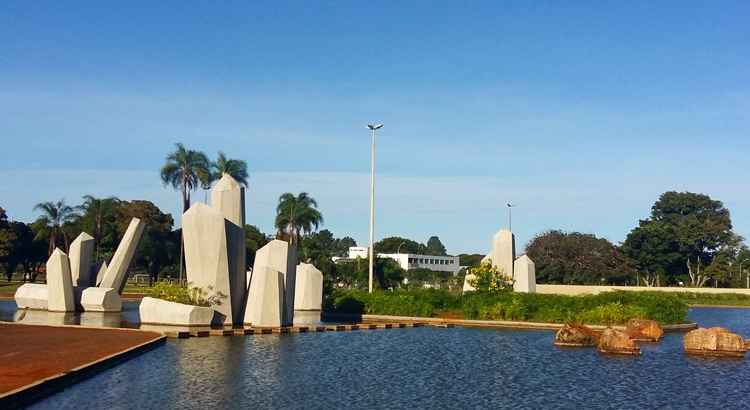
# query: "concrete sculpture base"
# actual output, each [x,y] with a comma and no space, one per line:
[308,293]
[162,312]
[60,297]
[265,299]
[524,275]
[101,300]
[32,296]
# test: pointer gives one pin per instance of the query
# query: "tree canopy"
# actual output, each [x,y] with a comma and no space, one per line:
[684,230]
[435,247]
[297,216]
[577,258]
[236,168]
[186,170]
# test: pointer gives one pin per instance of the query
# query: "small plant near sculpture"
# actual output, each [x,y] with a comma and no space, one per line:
[487,278]
[189,295]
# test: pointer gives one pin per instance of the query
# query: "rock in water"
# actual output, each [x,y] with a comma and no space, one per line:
[576,336]
[617,342]
[715,341]
[644,330]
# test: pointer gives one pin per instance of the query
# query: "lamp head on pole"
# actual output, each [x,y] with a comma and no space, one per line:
[374,126]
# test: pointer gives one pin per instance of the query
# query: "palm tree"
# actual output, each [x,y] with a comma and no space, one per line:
[186,170]
[297,215]
[54,216]
[100,210]
[236,168]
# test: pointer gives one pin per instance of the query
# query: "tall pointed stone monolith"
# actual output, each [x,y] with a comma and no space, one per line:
[308,293]
[118,267]
[208,238]
[281,257]
[524,275]
[81,255]
[228,197]
[265,298]
[59,283]
[503,252]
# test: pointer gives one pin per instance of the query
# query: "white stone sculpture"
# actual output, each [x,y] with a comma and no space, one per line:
[59,283]
[228,197]
[118,267]
[32,296]
[308,293]
[281,257]
[467,282]
[503,252]
[157,311]
[524,275]
[100,274]
[81,255]
[101,300]
[265,299]
[209,264]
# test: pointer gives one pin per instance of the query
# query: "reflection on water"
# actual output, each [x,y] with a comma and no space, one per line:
[129,317]
[415,368]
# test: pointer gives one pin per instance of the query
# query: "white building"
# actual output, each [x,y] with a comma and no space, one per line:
[409,261]
[358,252]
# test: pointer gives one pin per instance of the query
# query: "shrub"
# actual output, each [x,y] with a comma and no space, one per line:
[610,308]
[189,295]
[487,278]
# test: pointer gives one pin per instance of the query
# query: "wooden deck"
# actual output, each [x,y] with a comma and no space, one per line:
[38,360]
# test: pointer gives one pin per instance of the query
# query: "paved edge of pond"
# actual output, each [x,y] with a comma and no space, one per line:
[506,324]
[63,341]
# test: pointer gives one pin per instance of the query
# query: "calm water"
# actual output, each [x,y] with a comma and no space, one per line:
[416,368]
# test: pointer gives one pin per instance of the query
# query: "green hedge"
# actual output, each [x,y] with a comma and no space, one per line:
[605,308]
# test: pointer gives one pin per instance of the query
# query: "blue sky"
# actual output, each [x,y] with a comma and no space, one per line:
[582,114]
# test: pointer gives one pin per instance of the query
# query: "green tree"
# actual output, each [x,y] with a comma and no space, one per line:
[342,246]
[394,244]
[471,260]
[297,216]
[254,240]
[185,170]
[98,217]
[27,252]
[388,274]
[236,168]
[8,240]
[54,216]
[577,258]
[684,229]
[435,247]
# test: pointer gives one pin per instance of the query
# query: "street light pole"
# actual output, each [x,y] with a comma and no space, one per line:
[373,128]
[398,250]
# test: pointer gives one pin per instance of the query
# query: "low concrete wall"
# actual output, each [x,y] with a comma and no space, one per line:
[593,289]
[508,324]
